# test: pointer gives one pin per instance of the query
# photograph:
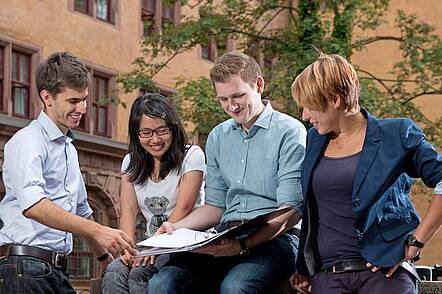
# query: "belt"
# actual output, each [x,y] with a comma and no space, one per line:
[54,259]
[347,266]
[291,231]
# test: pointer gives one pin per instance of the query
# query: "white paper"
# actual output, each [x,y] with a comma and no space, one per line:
[178,238]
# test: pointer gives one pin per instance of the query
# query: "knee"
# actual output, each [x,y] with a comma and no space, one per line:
[116,270]
[237,286]
[161,282]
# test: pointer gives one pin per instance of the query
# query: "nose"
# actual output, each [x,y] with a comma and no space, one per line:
[306,114]
[155,137]
[232,106]
[81,107]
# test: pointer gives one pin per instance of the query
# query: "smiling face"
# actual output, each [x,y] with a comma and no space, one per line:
[323,121]
[66,108]
[241,101]
[157,145]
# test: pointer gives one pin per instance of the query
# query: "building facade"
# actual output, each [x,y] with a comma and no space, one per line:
[105,34]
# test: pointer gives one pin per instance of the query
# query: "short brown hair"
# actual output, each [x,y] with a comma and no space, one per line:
[233,63]
[329,77]
[61,70]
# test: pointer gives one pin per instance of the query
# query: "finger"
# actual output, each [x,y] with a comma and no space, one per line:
[146,260]
[301,290]
[375,269]
[391,271]
[123,260]
[369,264]
[152,259]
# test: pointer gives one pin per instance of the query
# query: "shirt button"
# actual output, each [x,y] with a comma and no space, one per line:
[245,141]
[239,181]
[242,160]
[356,202]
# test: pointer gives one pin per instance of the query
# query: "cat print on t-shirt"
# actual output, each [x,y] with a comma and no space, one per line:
[157,206]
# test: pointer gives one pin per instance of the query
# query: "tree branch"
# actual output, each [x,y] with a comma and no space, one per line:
[255,36]
[380,38]
[437,92]
[380,81]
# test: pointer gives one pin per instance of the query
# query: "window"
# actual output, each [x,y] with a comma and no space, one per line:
[82,264]
[214,49]
[21,82]
[153,21]
[100,112]
[103,10]
[82,6]
[100,9]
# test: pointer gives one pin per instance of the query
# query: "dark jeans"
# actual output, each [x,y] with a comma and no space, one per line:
[23,274]
[364,282]
[202,273]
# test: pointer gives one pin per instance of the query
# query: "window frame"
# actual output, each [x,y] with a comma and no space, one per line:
[95,104]
[155,14]
[112,16]
[22,84]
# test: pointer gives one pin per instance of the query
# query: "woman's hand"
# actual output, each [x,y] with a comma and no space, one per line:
[300,283]
[127,259]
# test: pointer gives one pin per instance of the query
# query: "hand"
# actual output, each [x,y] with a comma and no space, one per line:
[166,227]
[143,261]
[225,247]
[300,283]
[127,259]
[115,241]
[410,252]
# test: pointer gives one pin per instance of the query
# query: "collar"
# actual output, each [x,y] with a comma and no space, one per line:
[51,128]
[263,119]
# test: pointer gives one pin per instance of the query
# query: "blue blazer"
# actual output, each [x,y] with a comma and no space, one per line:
[394,151]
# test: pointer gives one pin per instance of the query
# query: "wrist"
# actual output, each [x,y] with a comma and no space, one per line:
[103,257]
[413,241]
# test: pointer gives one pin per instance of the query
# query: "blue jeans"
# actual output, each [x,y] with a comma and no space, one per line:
[201,273]
[120,279]
[24,274]
[364,282]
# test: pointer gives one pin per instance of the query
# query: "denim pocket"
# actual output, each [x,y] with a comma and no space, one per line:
[34,268]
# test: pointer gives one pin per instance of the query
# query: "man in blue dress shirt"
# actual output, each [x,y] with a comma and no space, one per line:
[46,197]
[253,167]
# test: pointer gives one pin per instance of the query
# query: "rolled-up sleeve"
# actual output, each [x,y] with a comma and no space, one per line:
[291,155]
[23,169]
[216,188]
[83,208]
[425,162]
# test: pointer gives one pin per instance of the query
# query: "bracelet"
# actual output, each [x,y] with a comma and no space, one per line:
[103,257]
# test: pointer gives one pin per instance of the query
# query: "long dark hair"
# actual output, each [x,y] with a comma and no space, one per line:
[141,163]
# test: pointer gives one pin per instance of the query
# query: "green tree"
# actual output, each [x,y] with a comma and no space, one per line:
[329,25]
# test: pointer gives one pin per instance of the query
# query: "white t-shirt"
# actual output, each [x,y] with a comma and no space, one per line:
[157,200]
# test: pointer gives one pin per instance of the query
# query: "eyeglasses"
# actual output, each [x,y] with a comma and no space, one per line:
[147,133]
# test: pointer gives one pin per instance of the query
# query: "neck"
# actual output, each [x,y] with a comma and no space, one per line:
[349,124]
[246,126]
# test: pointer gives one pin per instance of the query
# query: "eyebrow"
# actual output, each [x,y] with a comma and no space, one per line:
[237,94]
[77,98]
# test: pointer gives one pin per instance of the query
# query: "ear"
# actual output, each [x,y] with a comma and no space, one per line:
[260,84]
[47,98]
[337,102]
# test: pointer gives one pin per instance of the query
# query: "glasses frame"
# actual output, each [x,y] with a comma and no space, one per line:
[167,127]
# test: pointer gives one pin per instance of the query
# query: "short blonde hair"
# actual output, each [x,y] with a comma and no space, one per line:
[235,63]
[329,77]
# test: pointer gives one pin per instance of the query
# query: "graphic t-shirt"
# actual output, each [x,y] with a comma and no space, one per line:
[157,200]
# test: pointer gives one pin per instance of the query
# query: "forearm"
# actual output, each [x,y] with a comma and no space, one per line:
[128,222]
[179,213]
[201,218]
[274,228]
[431,221]
[93,245]
[51,215]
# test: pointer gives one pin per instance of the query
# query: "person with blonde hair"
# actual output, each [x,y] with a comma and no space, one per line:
[360,230]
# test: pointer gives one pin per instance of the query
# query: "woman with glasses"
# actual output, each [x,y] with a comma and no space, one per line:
[162,177]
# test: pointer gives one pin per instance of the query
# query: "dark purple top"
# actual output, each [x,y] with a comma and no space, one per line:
[332,185]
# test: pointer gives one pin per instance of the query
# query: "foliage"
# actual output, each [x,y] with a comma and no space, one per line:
[329,25]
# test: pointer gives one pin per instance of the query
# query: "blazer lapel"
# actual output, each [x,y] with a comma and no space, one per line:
[369,150]
[315,150]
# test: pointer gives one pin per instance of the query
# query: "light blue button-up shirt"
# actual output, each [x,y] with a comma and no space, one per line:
[40,162]
[255,173]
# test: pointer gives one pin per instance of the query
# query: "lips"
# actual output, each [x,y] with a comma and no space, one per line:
[157,147]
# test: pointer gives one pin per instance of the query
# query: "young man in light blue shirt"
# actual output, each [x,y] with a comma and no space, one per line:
[46,197]
[253,167]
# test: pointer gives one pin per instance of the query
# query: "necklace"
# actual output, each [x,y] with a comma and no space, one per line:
[341,145]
